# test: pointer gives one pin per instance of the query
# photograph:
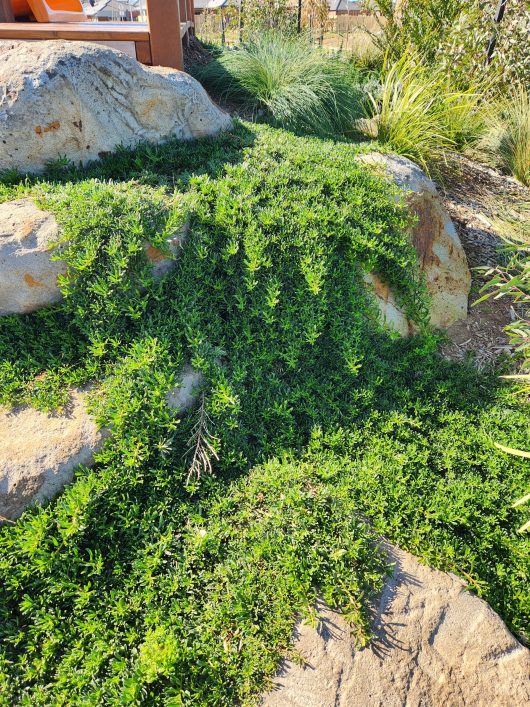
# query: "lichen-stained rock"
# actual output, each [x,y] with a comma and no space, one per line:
[39,453]
[80,100]
[435,645]
[440,254]
[28,275]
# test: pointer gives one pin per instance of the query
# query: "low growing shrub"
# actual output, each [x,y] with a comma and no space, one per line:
[133,587]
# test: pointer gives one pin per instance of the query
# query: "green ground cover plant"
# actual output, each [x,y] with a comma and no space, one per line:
[135,587]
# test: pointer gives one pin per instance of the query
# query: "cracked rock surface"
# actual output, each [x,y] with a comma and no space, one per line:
[435,644]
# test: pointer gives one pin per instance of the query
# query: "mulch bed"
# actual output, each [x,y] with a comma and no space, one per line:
[471,193]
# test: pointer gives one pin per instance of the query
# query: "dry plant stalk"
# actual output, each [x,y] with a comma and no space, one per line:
[200,443]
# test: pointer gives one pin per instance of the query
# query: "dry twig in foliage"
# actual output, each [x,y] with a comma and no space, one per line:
[200,443]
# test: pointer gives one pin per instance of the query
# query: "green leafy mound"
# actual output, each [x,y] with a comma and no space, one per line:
[134,588]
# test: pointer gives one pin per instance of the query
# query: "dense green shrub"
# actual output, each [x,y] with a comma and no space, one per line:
[293,82]
[133,588]
[454,34]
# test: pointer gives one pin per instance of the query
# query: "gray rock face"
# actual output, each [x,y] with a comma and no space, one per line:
[436,645]
[39,452]
[183,395]
[440,254]
[81,100]
[28,275]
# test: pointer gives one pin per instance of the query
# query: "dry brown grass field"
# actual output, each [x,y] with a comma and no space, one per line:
[346,32]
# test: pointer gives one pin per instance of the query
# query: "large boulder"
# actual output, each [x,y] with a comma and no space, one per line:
[39,453]
[435,645]
[81,100]
[440,254]
[28,275]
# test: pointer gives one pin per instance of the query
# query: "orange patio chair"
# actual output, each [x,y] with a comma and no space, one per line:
[49,10]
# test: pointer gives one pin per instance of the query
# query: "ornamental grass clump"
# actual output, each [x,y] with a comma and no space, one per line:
[419,115]
[507,139]
[290,81]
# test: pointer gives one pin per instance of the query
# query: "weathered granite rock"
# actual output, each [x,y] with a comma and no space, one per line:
[39,452]
[81,100]
[183,395]
[440,254]
[435,645]
[28,275]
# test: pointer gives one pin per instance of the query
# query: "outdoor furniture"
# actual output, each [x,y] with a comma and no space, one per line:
[158,42]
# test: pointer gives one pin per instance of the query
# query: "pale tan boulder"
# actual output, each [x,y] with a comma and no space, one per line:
[40,451]
[441,256]
[80,101]
[28,275]
[435,645]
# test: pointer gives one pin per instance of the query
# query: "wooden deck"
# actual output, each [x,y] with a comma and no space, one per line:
[156,43]
[82,31]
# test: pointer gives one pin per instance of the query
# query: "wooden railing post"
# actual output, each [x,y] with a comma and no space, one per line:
[183,9]
[164,31]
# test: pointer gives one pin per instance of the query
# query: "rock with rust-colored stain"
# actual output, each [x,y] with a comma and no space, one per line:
[441,256]
[54,125]
[392,315]
[163,263]
[435,645]
[28,275]
[29,272]
[40,451]
[81,100]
